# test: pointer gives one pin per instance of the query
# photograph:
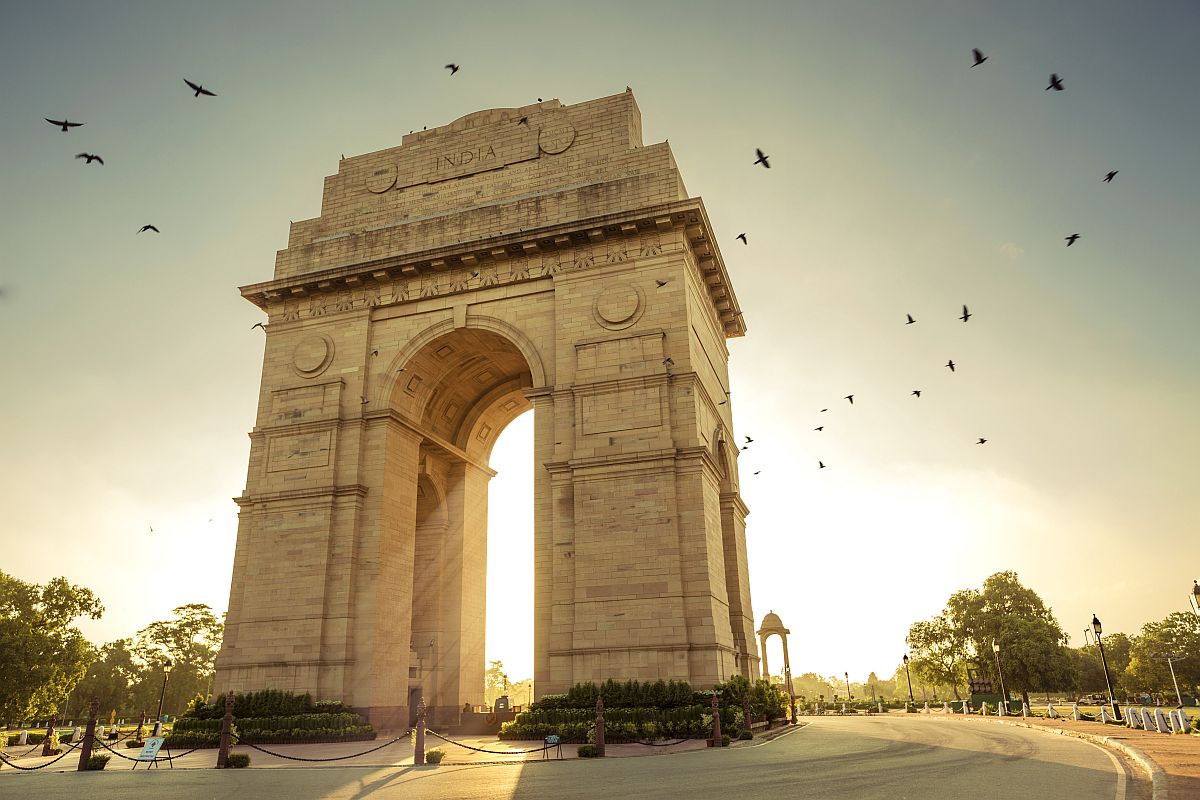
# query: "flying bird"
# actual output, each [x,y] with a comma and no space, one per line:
[966,315]
[198,89]
[1070,239]
[659,283]
[824,409]
[742,236]
[950,364]
[981,441]
[821,428]
[453,68]
[916,392]
[748,440]
[1055,82]
[757,471]
[64,124]
[523,121]
[258,325]
[979,57]
[374,352]
[821,465]
[145,228]
[90,157]
[722,403]
[849,397]
[762,158]
[1108,178]
[745,447]
[910,319]
[668,361]
[362,400]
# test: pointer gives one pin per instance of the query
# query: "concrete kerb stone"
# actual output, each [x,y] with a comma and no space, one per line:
[1158,777]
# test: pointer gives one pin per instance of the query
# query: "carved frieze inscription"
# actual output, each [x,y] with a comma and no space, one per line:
[305,403]
[299,451]
[622,409]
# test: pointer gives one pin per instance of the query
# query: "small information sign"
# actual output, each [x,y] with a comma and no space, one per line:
[552,740]
[150,751]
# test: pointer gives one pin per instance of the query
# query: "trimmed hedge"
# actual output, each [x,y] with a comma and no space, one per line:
[620,724]
[270,717]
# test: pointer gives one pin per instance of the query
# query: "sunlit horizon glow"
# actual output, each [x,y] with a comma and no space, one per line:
[902,181]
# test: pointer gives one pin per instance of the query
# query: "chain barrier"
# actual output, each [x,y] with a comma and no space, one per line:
[492,752]
[658,744]
[169,757]
[61,756]
[334,758]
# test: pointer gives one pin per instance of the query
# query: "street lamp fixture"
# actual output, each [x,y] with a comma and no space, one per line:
[1000,673]
[849,696]
[911,699]
[1112,700]
[163,694]
[1195,598]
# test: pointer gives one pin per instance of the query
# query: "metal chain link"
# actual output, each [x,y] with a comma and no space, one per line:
[492,752]
[335,758]
[61,756]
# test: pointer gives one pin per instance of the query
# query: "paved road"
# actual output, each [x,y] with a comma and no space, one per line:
[864,758]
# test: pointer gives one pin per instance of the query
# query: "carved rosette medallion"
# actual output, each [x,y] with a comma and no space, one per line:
[381,178]
[312,355]
[556,137]
[619,306]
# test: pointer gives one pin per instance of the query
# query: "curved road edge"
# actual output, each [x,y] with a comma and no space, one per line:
[1158,776]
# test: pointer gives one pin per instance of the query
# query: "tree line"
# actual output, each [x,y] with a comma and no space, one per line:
[1034,656]
[49,668]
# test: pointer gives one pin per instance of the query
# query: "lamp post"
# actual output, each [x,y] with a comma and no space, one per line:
[1112,699]
[1000,673]
[163,694]
[908,674]
[1195,598]
[849,697]
[1171,657]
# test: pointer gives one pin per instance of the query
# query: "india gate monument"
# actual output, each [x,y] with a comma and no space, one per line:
[537,257]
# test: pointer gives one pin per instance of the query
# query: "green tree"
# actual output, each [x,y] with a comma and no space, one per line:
[1089,671]
[1147,670]
[42,656]
[109,679]
[191,641]
[495,682]
[938,653]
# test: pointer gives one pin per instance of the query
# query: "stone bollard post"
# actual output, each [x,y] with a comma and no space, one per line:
[1075,711]
[49,735]
[23,739]
[137,737]
[746,711]
[226,733]
[1160,721]
[966,707]
[716,712]
[89,734]
[600,726]
[1024,709]
[419,749]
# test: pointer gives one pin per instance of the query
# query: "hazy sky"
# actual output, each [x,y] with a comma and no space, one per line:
[902,181]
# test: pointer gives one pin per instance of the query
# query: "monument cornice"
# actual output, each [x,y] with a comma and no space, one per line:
[477,260]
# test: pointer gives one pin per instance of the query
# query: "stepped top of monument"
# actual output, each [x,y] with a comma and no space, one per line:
[494,184]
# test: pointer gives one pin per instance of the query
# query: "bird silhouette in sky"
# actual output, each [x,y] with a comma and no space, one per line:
[668,361]
[820,428]
[757,471]
[453,68]
[981,440]
[258,325]
[64,124]
[966,315]
[198,89]
[826,409]
[762,158]
[659,283]
[910,319]
[748,440]
[821,465]
[916,392]
[979,57]
[145,228]
[745,447]
[1055,82]
[1071,239]
[1108,178]
[950,364]
[90,157]
[523,121]
[374,352]
[849,397]
[362,400]
[742,236]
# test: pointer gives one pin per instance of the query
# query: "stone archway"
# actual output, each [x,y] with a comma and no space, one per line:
[437,297]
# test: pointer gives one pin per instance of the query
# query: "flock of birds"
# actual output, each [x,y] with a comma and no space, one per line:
[65,125]
[761,158]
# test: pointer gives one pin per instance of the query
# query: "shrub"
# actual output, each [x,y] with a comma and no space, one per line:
[586,751]
[434,756]
[130,744]
[745,736]
[725,740]
[97,762]
[238,760]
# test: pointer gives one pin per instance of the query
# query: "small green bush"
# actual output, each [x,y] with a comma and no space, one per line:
[132,744]
[586,751]
[745,736]
[434,756]
[97,762]
[725,740]
[238,760]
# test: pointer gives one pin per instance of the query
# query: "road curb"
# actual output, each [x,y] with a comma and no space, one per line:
[1158,777]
